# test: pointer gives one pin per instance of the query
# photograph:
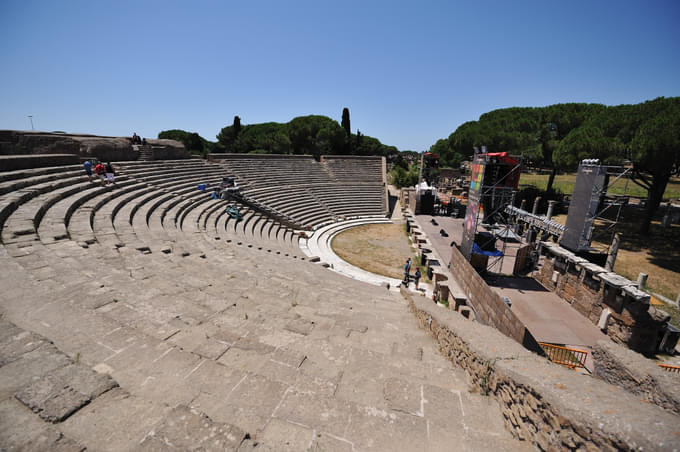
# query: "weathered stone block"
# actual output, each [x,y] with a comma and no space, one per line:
[53,400]
[185,429]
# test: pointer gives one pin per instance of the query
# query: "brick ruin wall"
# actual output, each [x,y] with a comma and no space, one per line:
[487,304]
[631,322]
[552,407]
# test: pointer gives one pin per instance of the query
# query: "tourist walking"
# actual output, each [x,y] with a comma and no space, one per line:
[87,165]
[416,277]
[100,171]
[407,272]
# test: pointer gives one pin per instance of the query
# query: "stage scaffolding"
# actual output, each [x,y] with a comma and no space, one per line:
[494,198]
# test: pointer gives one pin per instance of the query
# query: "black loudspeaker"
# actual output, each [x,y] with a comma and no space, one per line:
[427,203]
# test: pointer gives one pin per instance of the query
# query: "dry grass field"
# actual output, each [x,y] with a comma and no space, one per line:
[377,248]
[565,184]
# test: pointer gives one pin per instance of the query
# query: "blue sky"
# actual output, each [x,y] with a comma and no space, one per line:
[410,72]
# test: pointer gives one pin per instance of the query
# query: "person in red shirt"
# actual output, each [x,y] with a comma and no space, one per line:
[100,171]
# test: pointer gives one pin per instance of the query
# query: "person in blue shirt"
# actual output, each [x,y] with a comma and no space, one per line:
[88,168]
[407,271]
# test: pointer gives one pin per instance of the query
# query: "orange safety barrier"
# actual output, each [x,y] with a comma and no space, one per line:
[565,356]
[670,368]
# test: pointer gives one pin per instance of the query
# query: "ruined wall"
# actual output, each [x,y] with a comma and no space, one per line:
[637,374]
[590,289]
[16,142]
[552,407]
[168,150]
[18,162]
[407,199]
[487,303]
[13,142]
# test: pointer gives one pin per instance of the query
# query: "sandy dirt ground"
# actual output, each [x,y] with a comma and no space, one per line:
[377,248]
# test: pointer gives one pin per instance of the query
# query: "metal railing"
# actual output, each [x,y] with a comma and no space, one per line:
[670,368]
[565,356]
[537,221]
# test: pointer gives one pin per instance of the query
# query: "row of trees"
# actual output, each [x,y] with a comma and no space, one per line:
[192,141]
[312,135]
[559,136]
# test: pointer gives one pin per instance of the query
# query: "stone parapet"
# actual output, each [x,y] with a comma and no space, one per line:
[637,374]
[548,405]
[590,289]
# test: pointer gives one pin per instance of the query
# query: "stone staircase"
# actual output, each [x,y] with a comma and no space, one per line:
[204,332]
[145,153]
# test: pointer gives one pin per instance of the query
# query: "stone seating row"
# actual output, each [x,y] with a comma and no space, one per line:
[311,206]
[292,169]
[352,169]
[58,230]
[72,191]
[197,199]
[243,340]
[305,190]
[281,170]
[251,339]
[16,180]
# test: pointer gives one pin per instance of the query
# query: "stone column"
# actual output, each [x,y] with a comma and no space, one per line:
[667,219]
[613,251]
[551,207]
[536,202]
[642,280]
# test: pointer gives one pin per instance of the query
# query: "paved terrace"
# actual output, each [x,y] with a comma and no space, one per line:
[122,328]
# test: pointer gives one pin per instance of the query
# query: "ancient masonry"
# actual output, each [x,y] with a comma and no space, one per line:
[608,300]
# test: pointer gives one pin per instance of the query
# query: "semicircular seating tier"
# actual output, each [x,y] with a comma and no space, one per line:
[152,207]
[307,193]
[152,283]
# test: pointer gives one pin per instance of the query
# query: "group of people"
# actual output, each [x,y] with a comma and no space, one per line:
[137,140]
[105,173]
[407,274]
